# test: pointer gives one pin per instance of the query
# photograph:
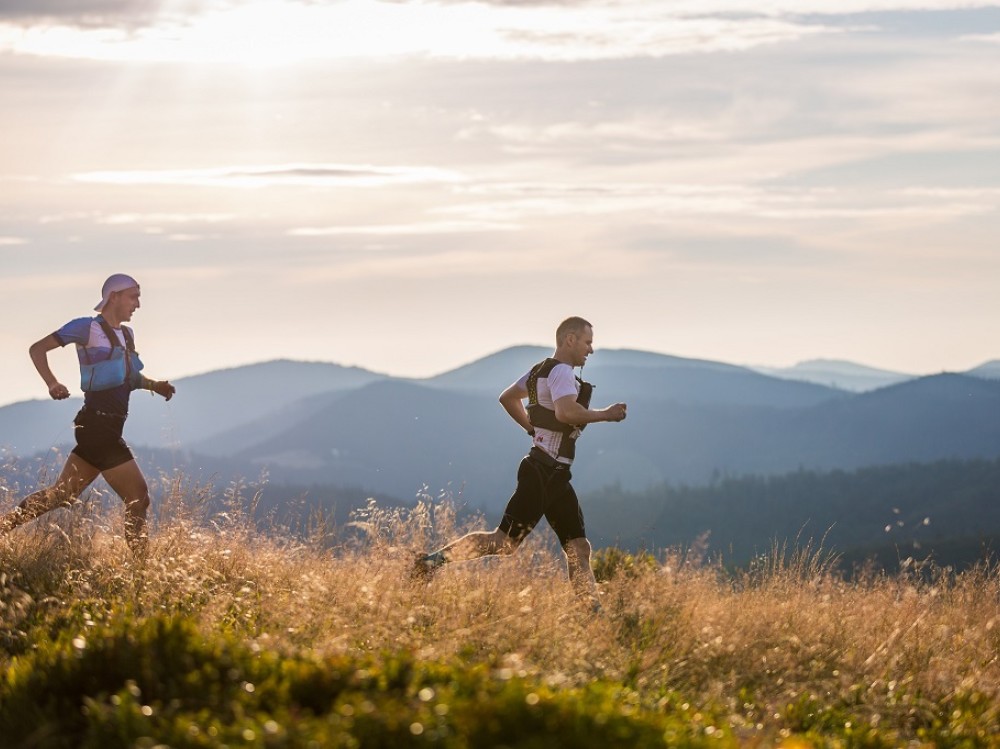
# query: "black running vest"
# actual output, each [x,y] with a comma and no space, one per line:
[543,417]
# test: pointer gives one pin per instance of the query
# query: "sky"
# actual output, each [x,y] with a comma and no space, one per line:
[407,186]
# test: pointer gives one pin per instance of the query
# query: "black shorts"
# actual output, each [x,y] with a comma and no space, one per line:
[543,491]
[99,439]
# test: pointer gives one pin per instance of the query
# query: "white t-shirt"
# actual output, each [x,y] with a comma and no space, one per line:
[560,382]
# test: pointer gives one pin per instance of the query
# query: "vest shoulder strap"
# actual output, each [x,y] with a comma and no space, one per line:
[129,338]
[109,332]
[541,369]
[113,337]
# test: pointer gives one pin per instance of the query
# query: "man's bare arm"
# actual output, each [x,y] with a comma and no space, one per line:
[512,400]
[568,411]
[39,353]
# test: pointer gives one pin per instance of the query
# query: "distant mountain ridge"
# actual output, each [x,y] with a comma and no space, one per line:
[491,373]
[838,373]
[234,398]
[989,370]
[689,420]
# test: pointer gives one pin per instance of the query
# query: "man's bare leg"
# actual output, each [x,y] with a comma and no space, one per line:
[581,574]
[77,474]
[470,546]
[129,484]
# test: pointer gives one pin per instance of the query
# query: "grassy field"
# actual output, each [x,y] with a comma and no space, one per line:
[229,635]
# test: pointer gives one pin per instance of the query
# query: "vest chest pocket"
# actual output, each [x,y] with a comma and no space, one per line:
[122,366]
[104,375]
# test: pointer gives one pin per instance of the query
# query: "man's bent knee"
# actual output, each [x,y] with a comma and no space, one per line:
[138,505]
[60,495]
[504,543]
[578,546]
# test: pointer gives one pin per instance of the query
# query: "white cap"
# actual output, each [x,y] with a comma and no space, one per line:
[117,282]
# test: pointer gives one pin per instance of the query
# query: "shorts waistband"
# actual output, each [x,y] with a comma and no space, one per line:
[540,456]
[104,414]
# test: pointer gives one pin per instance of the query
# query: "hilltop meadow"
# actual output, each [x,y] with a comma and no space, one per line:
[233,632]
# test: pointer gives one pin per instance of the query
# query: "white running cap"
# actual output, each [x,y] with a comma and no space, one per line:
[117,282]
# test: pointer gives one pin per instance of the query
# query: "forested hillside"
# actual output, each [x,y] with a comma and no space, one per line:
[946,509]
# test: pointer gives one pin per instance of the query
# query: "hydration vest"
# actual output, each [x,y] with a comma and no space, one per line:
[121,367]
[543,417]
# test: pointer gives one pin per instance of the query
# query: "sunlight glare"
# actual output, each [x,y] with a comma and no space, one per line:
[271,33]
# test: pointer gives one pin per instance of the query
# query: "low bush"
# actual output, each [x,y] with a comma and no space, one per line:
[162,682]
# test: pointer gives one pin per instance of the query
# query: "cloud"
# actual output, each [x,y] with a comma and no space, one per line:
[129,219]
[658,202]
[610,138]
[988,38]
[792,7]
[410,261]
[70,8]
[427,227]
[98,13]
[281,32]
[12,241]
[286,175]
[277,33]
[118,219]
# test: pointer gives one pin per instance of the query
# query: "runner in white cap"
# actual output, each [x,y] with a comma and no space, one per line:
[110,370]
[117,282]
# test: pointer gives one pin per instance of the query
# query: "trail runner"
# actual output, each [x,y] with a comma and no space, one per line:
[110,370]
[558,410]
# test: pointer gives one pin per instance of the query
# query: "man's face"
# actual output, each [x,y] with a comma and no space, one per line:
[581,345]
[125,303]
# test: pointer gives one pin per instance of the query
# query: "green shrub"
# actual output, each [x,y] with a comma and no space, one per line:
[163,682]
[612,561]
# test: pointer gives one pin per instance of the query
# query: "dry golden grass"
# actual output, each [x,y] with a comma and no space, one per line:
[892,651]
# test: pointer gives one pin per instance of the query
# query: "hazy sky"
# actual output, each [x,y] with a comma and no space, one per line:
[407,186]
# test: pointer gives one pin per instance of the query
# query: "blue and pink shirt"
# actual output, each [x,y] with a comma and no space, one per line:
[92,345]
